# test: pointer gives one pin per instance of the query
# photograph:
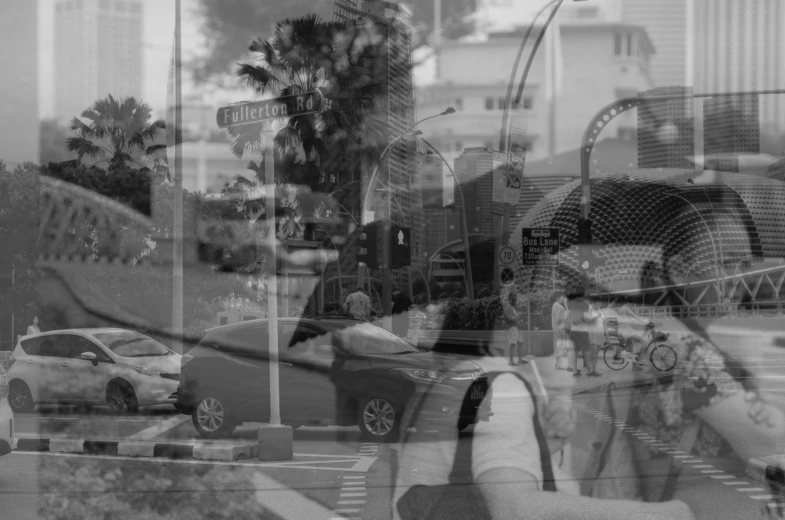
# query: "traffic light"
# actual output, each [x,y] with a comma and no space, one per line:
[367,245]
[400,247]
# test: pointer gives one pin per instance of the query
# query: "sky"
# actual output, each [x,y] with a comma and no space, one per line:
[157,40]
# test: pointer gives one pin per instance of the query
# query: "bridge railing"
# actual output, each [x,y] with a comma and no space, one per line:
[714,310]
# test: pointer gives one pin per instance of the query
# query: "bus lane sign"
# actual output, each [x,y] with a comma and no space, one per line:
[540,246]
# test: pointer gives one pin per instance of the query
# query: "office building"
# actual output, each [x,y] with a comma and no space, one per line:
[430,170]
[731,124]
[666,130]
[474,170]
[98,51]
[19,125]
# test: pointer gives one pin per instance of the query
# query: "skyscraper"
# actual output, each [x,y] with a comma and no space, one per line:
[397,108]
[430,170]
[19,125]
[739,45]
[731,125]
[666,130]
[666,23]
[98,51]
[474,170]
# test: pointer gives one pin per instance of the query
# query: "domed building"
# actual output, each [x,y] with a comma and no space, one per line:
[660,228]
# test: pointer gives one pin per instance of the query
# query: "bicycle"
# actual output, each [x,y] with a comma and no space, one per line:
[663,357]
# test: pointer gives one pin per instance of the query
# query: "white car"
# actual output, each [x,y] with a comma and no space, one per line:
[6,415]
[117,367]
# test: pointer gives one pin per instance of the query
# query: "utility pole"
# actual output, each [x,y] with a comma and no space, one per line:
[177,231]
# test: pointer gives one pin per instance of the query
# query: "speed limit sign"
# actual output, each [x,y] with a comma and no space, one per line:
[506,255]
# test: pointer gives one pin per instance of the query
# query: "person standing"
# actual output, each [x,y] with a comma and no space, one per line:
[561,336]
[595,325]
[511,316]
[400,310]
[358,305]
[34,328]
[579,333]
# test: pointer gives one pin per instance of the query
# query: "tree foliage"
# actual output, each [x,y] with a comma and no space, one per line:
[118,133]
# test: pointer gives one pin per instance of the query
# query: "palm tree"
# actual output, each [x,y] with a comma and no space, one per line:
[118,133]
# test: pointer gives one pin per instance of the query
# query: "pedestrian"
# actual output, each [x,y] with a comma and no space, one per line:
[579,332]
[561,335]
[358,305]
[595,326]
[511,316]
[34,328]
[401,304]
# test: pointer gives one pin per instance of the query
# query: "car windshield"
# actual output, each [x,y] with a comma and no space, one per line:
[132,344]
[370,339]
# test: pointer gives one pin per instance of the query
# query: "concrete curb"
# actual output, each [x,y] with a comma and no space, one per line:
[603,386]
[225,451]
[770,470]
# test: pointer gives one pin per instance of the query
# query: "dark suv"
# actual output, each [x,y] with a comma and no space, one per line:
[333,371]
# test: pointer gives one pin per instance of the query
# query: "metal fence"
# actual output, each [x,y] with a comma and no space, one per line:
[715,310]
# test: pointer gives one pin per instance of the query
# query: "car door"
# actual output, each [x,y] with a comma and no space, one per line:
[245,368]
[82,380]
[307,360]
[34,367]
[48,380]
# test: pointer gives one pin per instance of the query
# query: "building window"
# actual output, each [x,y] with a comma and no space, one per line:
[488,103]
[528,102]
[458,103]
[629,44]
[617,43]
[502,101]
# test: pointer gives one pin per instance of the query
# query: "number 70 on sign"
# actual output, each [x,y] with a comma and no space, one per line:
[506,256]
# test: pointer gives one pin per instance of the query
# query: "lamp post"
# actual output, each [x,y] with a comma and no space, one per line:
[386,221]
[464,226]
[502,225]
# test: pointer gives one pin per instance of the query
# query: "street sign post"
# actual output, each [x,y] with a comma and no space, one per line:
[252,112]
[540,246]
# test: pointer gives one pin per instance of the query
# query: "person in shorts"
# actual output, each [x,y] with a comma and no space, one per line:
[579,334]
[513,335]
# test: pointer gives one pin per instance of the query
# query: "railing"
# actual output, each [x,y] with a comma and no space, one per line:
[714,310]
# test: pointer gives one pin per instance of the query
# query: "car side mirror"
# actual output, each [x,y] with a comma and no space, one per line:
[89,356]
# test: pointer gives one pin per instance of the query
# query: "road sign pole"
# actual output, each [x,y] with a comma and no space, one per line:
[272,278]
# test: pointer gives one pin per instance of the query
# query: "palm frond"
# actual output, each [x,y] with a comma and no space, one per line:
[83,147]
[259,78]
[245,138]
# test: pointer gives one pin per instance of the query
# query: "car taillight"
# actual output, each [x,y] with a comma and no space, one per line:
[185,359]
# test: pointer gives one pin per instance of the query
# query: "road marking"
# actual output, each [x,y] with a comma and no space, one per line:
[350,502]
[763,497]
[707,471]
[354,477]
[348,510]
[360,488]
[736,483]
[158,429]
[681,456]
[750,490]
[720,477]
[354,495]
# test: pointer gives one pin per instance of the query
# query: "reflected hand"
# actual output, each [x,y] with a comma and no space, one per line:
[759,410]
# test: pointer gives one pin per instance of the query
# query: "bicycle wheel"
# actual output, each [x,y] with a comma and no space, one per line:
[613,362]
[663,357]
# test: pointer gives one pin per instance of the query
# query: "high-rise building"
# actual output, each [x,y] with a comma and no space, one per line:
[19,125]
[430,171]
[474,170]
[739,45]
[666,24]
[731,124]
[666,130]
[397,108]
[98,51]
[442,226]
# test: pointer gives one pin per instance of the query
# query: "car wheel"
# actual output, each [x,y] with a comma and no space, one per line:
[121,398]
[212,418]
[380,417]
[20,398]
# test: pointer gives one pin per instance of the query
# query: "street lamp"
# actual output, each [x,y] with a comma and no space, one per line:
[464,225]
[386,260]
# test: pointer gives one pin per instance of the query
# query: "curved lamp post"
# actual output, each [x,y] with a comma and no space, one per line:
[466,246]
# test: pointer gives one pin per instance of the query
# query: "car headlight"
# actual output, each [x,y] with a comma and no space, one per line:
[432,376]
[147,371]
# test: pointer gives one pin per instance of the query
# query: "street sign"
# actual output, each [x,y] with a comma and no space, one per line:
[506,256]
[508,276]
[540,246]
[258,111]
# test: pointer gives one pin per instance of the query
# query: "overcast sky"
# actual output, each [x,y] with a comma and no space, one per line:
[157,40]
